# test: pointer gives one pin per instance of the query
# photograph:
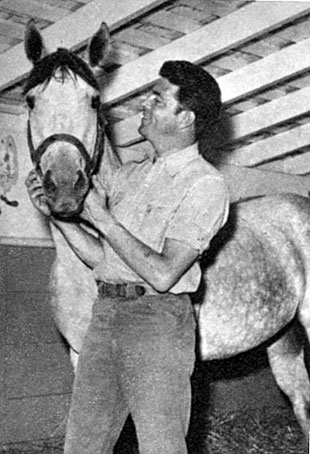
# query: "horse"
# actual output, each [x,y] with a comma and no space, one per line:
[256,272]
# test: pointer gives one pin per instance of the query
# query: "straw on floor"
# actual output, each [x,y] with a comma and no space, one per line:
[264,431]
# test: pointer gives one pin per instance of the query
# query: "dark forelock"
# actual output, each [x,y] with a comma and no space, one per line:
[62,59]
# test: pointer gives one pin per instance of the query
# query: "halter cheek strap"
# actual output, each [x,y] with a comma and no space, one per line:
[91,163]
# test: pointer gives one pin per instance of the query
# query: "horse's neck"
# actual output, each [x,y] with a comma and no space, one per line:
[110,163]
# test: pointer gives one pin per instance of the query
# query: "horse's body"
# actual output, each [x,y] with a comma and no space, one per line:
[256,273]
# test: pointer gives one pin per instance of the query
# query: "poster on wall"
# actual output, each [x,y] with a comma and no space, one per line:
[20,223]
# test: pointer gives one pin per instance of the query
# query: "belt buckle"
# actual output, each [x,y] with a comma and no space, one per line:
[134,290]
[121,290]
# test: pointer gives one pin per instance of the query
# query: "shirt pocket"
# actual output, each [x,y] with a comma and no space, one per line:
[152,223]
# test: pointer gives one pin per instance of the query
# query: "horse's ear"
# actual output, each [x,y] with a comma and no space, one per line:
[98,46]
[34,47]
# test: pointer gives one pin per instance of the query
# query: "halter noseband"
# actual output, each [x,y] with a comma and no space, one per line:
[92,163]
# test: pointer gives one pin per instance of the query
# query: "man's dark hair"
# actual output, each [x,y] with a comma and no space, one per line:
[198,91]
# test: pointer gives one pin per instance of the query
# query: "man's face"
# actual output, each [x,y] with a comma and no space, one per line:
[160,111]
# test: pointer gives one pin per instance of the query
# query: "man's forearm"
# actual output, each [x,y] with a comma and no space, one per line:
[160,270]
[85,245]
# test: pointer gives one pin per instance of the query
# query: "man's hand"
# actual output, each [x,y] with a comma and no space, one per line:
[95,205]
[35,191]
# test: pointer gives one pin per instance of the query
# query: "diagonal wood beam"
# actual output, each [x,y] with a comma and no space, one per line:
[266,116]
[271,148]
[230,31]
[261,74]
[73,30]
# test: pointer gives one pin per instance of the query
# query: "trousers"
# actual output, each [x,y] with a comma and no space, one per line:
[137,358]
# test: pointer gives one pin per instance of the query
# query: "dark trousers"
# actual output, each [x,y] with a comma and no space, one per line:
[137,358]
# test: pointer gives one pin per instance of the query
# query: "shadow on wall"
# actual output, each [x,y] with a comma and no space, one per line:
[211,145]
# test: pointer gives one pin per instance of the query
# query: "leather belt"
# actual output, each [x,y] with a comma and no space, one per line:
[123,290]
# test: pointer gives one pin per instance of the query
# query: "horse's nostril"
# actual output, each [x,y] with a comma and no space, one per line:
[80,182]
[48,184]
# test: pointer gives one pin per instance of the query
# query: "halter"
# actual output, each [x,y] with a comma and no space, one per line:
[92,163]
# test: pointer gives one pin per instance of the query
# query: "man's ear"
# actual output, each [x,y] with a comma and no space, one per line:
[187,118]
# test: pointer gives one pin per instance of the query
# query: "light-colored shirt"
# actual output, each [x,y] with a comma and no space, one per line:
[179,196]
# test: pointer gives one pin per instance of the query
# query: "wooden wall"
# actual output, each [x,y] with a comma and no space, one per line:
[35,373]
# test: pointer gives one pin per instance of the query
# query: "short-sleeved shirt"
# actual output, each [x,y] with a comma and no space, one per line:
[179,196]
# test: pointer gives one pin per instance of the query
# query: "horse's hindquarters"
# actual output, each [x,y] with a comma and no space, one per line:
[255,276]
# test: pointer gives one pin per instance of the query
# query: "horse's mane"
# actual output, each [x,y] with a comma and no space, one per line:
[62,59]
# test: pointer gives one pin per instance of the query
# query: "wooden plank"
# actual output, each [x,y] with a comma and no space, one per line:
[260,48]
[271,148]
[155,30]
[4,45]
[296,32]
[12,29]
[275,68]
[30,278]
[73,30]
[35,418]
[203,17]
[32,242]
[66,4]
[209,41]
[45,369]
[173,21]
[217,8]
[265,116]
[34,9]
[138,37]
[235,60]
[29,319]
[122,53]
[7,41]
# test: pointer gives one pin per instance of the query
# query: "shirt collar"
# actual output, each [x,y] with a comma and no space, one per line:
[178,160]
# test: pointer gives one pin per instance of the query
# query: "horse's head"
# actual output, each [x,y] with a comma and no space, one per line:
[65,126]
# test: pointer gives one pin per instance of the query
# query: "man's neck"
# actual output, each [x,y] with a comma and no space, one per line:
[164,148]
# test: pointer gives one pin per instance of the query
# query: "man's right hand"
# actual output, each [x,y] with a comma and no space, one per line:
[35,190]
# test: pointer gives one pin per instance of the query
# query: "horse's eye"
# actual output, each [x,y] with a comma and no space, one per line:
[95,102]
[30,102]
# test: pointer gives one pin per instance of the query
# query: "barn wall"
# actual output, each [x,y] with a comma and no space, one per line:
[36,375]
[20,223]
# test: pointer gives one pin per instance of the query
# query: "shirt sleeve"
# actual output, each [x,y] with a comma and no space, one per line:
[202,212]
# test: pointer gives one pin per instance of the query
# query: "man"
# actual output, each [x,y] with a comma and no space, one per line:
[154,220]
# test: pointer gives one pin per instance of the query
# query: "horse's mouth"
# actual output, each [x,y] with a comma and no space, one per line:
[66,214]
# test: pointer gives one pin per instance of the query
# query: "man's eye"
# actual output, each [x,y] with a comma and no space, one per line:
[30,102]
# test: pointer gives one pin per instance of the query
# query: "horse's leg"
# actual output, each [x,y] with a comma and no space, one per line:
[287,361]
